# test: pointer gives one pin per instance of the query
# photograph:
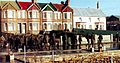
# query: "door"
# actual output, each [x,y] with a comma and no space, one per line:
[19,28]
[24,28]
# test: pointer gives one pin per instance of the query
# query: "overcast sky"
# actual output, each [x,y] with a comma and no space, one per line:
[109,7]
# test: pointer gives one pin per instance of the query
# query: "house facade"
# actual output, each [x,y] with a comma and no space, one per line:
[88,18]
[113,23]
[9,16]
[31,17]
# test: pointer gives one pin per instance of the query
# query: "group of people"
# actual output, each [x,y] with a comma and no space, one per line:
[31,42]
[45,41]
[91,40]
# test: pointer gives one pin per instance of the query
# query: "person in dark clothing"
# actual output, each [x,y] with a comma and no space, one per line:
[100,38]
[30,42]
[92,40]
[40,42]
[117,40]
[64,38]
[88,37]
[80,40]
[17,43]
[74,42]
[10,39]
[52,40]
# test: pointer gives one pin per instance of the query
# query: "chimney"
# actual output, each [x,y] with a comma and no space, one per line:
[33,1]
[97,4]
[67,2]
[62,2]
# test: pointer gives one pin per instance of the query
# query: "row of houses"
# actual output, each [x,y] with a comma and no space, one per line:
[31,17]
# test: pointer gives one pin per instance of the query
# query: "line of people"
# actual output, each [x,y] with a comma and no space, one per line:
[46,41]
[32,42]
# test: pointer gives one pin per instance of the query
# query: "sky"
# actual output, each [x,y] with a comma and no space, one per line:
[109,7]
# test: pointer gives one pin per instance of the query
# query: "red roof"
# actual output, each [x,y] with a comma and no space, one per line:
[58,6]
[25,5]
[67,9]
[33,7]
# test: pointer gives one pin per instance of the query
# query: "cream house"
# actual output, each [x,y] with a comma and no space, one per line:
[89,18]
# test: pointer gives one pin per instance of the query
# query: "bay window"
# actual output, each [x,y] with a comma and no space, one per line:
[33,14]
[67,15]
[9,13]
[21,14]
[10,26]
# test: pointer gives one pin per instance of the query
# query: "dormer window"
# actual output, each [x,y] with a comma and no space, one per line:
[98,19]
[80,19]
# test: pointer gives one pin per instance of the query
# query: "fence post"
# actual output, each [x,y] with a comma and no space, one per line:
[53,56]
[111,38]
[61,42]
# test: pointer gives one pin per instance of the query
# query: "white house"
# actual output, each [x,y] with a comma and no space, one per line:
[89,18]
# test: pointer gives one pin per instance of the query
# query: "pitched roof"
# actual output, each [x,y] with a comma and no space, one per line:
[67,9]
[58,7]
[88,12]
[24,5]
[3,4]
[43,5]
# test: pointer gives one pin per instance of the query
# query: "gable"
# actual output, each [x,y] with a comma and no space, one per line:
[67,9]
[33,7]
[8,6]
[47,8]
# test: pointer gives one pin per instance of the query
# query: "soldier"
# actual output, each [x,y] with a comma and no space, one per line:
[80,40]
[64,41]
[117,40]
[100,38]
[88,37]
[92,40]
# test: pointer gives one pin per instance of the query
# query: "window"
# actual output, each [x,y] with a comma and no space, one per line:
[5,26]
[80,19]
[35,26]
[49,15]
[96,27]
[90,19]
[35,14]
[65,16]
[45,26]
[55,26]
[65,26]
[56,15]
[59,15]
[68,15]
[44,15]
[10,26]
[5,13]
[50,25]
[90,26]
[30,14]
[9,14]
[21,14]
[70,26]
[83,26]
[30,26]
[98,19]
[59,27]
[101,27]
